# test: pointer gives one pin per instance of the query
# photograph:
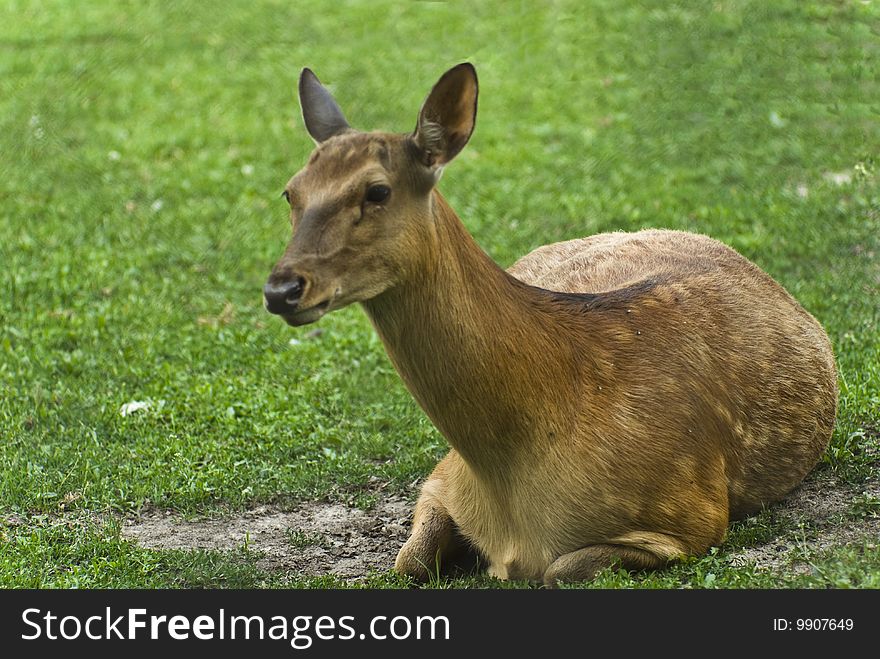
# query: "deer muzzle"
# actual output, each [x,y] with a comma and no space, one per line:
[283,297]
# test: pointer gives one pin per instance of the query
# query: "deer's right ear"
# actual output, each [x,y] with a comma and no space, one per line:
[321,114]
[448,116]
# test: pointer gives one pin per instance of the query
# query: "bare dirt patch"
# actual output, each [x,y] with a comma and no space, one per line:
[820,514]
[313,539]
[320,538]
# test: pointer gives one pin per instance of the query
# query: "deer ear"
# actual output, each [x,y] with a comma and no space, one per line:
[448,115]
[321,114]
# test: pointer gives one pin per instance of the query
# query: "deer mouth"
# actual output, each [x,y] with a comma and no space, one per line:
[306,316]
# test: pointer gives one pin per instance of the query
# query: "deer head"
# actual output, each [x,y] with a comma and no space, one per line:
[361,208]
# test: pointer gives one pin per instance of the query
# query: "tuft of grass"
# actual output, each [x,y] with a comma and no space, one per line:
[865,506]
[300,539]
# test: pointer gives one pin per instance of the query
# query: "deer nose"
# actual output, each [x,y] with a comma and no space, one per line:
[283,297]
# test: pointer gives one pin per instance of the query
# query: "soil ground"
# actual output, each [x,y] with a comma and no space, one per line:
[316,538]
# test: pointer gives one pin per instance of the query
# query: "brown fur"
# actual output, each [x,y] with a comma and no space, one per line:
[615,398]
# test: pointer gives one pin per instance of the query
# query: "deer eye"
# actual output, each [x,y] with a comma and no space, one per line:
[378,193]
[286,195]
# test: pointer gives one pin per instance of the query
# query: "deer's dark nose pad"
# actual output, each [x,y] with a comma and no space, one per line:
[284,297]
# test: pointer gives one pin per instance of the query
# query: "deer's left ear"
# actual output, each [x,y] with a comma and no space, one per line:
[321,113]
[448,116]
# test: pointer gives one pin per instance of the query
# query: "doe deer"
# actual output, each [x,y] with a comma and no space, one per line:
[611,399]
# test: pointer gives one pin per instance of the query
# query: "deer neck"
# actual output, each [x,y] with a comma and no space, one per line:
[477,348]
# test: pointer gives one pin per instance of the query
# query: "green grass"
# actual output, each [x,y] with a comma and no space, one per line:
[143,147]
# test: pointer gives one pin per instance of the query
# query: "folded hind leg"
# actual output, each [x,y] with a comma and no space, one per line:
[584,564]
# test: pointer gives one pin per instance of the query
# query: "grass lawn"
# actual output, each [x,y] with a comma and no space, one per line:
[143,148]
